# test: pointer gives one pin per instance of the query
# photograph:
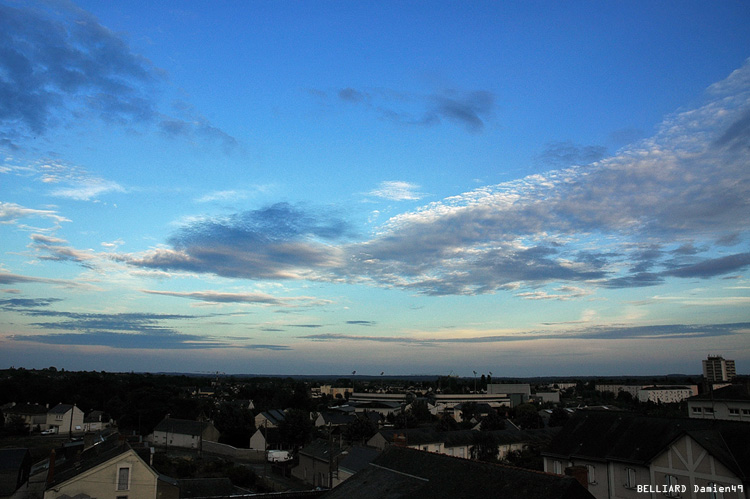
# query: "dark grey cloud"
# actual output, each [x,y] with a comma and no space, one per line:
[352,95]
[16,304]
[59,64]
[276,242]
[361,323]
[467,109]
[712,267]
[564,154]
[53,57]
[737,135]
[656,332]
[470,109]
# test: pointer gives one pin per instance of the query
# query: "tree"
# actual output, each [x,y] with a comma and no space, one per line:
[359,430]
[468,410]
[492,421]
[296,428]
[558,417]
[235,423]
[527,417]
[421,412]
[446,423]
[485,446]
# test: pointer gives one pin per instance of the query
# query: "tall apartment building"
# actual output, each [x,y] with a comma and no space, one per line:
[717,369]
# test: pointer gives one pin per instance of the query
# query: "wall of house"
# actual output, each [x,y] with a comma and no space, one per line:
[62,422]
[618,480]
[735,410]
[101,481]
[692,465]
[313,471]
[176,440]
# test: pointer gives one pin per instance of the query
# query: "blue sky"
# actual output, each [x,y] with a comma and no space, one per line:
[522,188]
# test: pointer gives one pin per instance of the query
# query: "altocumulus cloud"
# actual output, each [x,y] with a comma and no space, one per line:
[59,61]
[664,208]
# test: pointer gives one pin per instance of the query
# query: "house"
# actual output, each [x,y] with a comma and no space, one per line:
[731,403]
[265,438]
[171,432]
[315,466]
[65,418]
[269,419]
[407,473]
[382,407]
[15,468]
[623,452]
[108,470]
[459,443]
[334,418]
[33,416]
[95,421]
[355,459]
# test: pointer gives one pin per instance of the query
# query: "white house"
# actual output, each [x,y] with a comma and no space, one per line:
[65,418]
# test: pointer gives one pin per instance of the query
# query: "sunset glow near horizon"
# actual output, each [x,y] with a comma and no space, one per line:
[522,188]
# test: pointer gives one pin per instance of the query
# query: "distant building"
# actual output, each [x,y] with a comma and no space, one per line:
[717,369]
[270,419]
[518,393]
[664,394]
[731,403]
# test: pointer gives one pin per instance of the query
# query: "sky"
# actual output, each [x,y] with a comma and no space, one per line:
[323,187]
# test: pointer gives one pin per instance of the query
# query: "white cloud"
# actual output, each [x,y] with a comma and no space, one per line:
[396,190]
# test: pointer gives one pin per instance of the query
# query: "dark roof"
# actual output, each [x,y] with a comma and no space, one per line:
[626,437]
[337,418]
[419,436]
[408,473]
[26,409]
[15,465]
[93,416]
[205,487]
[276,416]
[731,392]
[357,458]
[60,409]
[89,458]
[320,449]
[181,426]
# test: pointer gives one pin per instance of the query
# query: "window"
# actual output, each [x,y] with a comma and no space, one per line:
[591,470]
[709,410]
[670,483]
[733,411]
[746,412]
[697,410]
[713,494]
[557,467]
[629,478]
[123,479]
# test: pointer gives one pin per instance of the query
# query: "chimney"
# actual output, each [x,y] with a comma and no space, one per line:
[580,473]
[51,470]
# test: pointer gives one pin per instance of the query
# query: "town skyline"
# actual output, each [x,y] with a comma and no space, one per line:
[318,188]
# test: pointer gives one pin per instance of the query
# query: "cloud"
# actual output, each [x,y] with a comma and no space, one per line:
[470,109]
[277,242]
[361,323]
[247,298]
[9,278]
[655,332]
[395,190]
[564,154]
[59,63]
[664,208]
[55,249]
[11,213]
[564,293]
